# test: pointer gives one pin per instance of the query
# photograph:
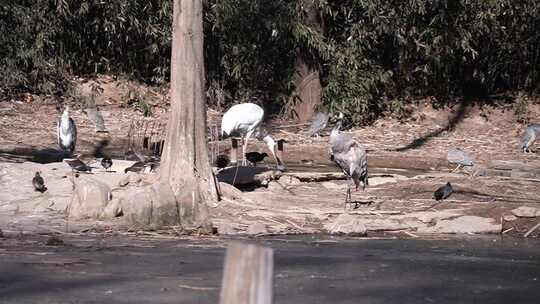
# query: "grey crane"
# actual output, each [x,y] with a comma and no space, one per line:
[532,132]
[318,123]
[460,158]
[66,132]
[350,156]
[95,116]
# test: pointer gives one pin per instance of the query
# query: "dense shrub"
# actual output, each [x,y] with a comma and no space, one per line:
[372,54]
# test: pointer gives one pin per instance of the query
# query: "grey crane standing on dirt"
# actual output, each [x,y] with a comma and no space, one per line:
[350,156]
[66,132]
[532,132]
[95,116]
[318,123]
[245,120]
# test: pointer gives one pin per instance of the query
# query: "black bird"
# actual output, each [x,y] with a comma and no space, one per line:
[78,165]
[443,192]
[106,163]
[255,157]
[222,161]
[136,167]
[39,183]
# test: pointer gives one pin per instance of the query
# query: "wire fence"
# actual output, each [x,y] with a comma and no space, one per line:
[148,138]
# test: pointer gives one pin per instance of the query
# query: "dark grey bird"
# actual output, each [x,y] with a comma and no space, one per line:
[318,123]
[532,132]
[460,158]
[106,163]
[136,167]
[255,157]
[66,132]
[39,183]
[443,192]
[350,156]
[222,161]
[78,165]
[95,116]
[134,156]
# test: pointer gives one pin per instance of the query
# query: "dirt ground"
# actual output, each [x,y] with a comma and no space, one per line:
[407,162]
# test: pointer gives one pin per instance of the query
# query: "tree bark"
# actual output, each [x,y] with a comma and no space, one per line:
[307,80]
[185,166]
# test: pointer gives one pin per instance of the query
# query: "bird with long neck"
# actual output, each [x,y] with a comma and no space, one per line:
[245,120]
[350,156]
[66,132]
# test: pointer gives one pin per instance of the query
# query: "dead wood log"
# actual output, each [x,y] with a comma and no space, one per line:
[247,277]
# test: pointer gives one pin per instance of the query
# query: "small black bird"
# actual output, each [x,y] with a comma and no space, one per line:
[136,167]
[255,157]
[222,161]
[106,163]
[39,183]
[78,165]
[443,192]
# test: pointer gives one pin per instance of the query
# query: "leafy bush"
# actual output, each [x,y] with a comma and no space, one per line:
[368,51]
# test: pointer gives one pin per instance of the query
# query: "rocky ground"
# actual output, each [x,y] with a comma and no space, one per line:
[406,158]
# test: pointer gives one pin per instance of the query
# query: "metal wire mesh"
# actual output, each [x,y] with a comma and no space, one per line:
[148,137]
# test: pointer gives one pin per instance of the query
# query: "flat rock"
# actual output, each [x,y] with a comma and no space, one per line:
[229,191]
[256,228]
[525,211]
[463,224]
[225,228]
[348,225]
[289,180]
[509,218]
[132,178]
[332,186]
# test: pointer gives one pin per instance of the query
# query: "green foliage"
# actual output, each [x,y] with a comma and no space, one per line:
[367,51]
[521,107]
[136,97]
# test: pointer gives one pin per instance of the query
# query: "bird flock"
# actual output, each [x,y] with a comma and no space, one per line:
[245,121]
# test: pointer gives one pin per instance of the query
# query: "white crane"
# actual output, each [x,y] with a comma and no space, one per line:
[244,120]
[66,132]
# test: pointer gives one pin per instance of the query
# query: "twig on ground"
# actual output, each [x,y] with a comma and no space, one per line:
[196,288]
[532,230]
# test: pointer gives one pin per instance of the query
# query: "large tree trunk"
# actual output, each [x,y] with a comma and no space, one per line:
[307,80]
[185,166]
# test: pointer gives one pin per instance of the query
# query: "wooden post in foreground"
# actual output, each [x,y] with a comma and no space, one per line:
[234,151]
[247,277]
